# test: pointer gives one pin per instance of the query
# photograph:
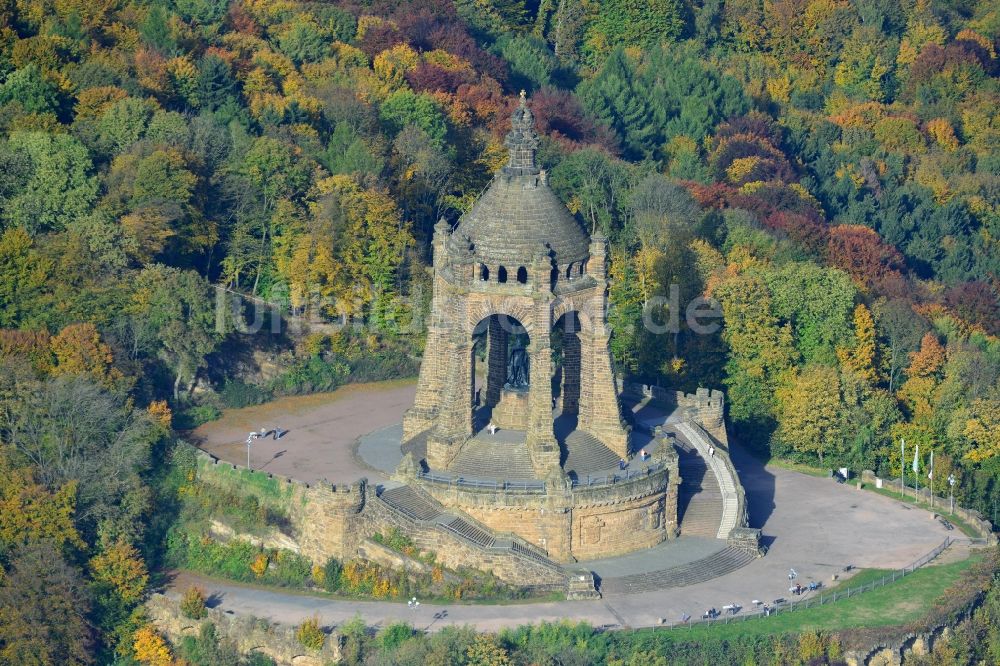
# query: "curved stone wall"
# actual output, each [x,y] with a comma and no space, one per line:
[574,523]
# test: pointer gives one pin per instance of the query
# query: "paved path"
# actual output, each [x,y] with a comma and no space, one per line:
[812,524]
[322,431]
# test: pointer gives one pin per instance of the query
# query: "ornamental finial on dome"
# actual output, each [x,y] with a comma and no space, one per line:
[522,141]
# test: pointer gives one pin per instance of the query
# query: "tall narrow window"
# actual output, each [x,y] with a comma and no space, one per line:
[484,273]
[501,275]
[522,275]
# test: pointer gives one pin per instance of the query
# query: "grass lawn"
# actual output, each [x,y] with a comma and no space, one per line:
[897,603]
[802,468]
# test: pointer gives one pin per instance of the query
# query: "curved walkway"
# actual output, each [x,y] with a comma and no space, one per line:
[811,524]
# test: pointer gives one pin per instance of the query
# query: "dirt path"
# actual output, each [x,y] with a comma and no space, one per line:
[322,429]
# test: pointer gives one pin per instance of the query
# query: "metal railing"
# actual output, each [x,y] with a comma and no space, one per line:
[613,478]
[537,486]
[822,599]
[527,485]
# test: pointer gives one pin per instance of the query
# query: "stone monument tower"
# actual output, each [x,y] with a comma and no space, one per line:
[519,293]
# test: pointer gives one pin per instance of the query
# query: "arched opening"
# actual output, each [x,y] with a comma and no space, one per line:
[583,267]
[567,358]
[569,272]
[501,275]
[484,272]
[522,275]
[499,363]
[553,278]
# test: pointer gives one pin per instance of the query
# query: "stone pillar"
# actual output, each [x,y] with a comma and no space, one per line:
[453,425]
[430,383]
[496,361]
[540,438]
[604,418]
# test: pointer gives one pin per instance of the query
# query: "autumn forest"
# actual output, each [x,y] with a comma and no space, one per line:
[828,171]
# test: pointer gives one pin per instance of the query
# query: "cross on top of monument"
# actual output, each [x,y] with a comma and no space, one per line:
[522,141]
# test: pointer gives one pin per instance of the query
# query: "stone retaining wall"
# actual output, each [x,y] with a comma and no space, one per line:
[455,552]
[570,523]
[327,520]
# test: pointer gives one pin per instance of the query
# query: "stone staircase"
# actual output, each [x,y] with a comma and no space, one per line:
[488,457]
[584,453]
[414,504]
[717,468]
[419,515]
[480,536]
[699,500]
[718,564]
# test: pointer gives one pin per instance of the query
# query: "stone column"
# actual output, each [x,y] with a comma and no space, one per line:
[604,418]
[496,361]
[540,437]
[430,383]
[453,425]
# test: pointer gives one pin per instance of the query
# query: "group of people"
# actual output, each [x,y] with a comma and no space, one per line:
[275,433]
[798,588]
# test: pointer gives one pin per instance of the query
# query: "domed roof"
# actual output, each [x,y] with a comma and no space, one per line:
[519,217]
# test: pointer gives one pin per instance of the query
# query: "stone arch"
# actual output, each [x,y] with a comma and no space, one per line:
[502,275]
[563,306]
[495,339]
[522,275]
[511,307]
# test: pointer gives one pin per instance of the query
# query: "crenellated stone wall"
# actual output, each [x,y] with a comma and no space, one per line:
[572,523]
[337,521]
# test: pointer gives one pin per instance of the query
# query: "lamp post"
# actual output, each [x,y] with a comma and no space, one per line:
[951,490]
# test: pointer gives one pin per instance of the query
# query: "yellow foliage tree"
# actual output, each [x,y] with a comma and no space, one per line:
[943,133]
[486,651]
[79,351]
[647,266]
[159,412]
[150,649]
[810,411]
[859,363]
[29,512]
[982,428]
[121,566]
[392,65]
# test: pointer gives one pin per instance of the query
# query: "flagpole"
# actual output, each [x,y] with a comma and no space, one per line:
[902,466]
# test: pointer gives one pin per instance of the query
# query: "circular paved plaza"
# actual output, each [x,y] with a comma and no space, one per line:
[814,525]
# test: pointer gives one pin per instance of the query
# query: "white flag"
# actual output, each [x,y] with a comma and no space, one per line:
[916,458]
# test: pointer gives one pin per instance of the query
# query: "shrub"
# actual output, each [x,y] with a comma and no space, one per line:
[236,394]
[310,635]
[394,635]
[259,565]
[289,569]
[331,574]
[193,603]
[192,417]
[311,375]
